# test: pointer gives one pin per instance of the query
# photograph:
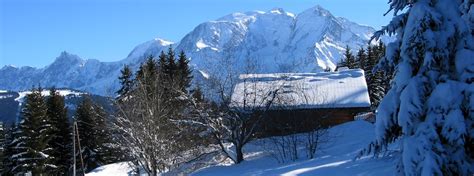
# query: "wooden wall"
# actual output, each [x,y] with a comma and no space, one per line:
[284,122]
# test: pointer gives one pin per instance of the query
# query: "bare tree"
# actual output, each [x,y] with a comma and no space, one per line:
[238,111]
[145,128]
[153,121]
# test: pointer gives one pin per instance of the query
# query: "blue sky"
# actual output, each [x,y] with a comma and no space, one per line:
[34,32]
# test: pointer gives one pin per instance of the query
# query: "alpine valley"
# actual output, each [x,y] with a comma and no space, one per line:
[274,41]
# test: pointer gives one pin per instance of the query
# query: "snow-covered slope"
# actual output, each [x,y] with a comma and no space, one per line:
[62,92]
[335,158]
[273,41]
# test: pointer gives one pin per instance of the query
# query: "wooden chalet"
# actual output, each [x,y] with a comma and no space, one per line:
[298,102]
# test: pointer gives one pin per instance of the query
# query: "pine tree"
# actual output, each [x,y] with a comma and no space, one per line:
[197,94]
[148,73]
[171,66]
[171,80]
[349,60]
[385,76]
[106,151]
[162,63]
[86,126]
[147,70]
[359,61]
[60,141]
[9,161]
[126,81]
[140,76]
[372,57]
[373,78]
[184,72]
[93,134]
[2,147]
[379,79]
[429,107]
[33,148]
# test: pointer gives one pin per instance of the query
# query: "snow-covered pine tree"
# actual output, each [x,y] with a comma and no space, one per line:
[375,79]
[60,141]
[385,75]
[430,106]
[32,150]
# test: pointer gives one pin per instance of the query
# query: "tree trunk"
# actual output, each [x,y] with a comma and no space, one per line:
[153,167]
[239,153]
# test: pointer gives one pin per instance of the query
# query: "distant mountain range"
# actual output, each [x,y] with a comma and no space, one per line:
[273,41]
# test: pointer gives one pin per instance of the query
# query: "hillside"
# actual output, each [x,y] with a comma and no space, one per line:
[335,158]
[11,102]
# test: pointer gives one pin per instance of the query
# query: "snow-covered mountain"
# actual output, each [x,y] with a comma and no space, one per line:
[69,70]
[273,41]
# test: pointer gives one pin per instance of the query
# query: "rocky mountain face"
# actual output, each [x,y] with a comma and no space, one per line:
[256,42]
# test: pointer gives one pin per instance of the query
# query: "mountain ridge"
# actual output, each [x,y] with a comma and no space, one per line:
[276,41]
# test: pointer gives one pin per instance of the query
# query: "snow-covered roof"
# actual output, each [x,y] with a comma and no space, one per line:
[342,89]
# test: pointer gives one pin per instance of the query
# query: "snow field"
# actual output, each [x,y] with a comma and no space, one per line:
[335,158]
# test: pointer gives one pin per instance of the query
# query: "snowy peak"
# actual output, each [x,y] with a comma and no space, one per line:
[149,48]
[280,11]
[276,40]
[163,42]
[277,11]
[9,67]
[319,11]
[66,62]
[317,20]
[66,59]
[238,17]
[272,41]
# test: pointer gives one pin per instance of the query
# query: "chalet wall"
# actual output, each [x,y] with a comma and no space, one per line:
[284,122]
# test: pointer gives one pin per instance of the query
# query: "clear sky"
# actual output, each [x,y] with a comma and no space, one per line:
[34,32]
